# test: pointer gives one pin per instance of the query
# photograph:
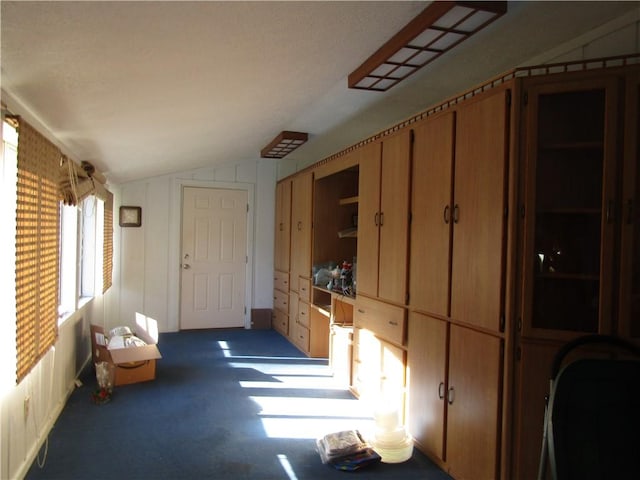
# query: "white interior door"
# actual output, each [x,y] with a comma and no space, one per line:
[214,258]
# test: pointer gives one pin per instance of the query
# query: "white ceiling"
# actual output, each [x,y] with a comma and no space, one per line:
[149,88]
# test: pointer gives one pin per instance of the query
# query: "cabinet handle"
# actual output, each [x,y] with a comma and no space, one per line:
[447,214]
[393,322]
[610,215]
[299,226]
[361,310]
[451,396]
[376,219]
[381,217]
[456,213]
[441,391]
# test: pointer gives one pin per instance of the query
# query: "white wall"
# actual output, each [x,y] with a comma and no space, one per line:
[147,269]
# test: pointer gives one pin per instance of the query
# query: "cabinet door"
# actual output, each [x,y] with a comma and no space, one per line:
[431,215]
[394,217]
[368,208]
[426,382]
[474,393]
[283,225]
[301,198]
[570,207]
[630,217]
[479,210]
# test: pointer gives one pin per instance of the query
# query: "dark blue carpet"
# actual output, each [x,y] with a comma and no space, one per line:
[226,404]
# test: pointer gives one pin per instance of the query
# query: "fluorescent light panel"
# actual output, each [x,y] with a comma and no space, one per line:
[285,143]
[440,27]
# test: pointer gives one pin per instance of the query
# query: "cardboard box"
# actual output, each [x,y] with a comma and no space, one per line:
[133,364]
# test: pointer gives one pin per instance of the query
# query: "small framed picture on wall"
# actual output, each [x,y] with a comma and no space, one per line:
[130,216]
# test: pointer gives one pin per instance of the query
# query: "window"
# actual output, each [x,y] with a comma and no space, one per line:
[68,260]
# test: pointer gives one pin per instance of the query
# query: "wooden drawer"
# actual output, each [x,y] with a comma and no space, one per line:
[386,321]
[281,301]
[304,289]
[281,281]
[281,322]
[303,314]
[302,337]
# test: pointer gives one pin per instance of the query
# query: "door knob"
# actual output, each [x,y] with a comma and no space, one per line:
[186,266]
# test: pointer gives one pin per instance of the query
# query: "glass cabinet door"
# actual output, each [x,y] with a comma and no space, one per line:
[629,324]
[570,207]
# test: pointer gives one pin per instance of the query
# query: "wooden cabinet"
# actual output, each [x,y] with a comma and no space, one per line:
[479,210]
[280,319]
[309,329]
[283,226]
[570,175]
[580,265]
[455,386]
[458,221]
[426,382]
[378,352]
[383,218]
[431,225]
[629,265]
[301,218]
[335,217]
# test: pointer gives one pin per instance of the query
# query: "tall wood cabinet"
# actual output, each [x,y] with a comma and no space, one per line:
[283,226]
[629,265]
[491,230]
[280,316]
[457,284]
[301,206]
[383,218]
[580,229]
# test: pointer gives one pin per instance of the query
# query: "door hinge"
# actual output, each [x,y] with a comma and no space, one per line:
[412,136]
[522,210]
[245,310]
[247,207]
[246,259]
[519,324]
[406,299]
[502,322]
[508,98]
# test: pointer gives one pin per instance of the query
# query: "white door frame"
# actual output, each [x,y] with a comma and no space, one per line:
[175,244]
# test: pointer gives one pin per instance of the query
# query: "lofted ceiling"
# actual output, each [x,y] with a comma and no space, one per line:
[149,88]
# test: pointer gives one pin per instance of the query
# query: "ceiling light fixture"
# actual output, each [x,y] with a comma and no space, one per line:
[285,143]
[440,27]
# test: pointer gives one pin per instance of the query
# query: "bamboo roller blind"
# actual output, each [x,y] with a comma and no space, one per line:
[37,247]
[107,254]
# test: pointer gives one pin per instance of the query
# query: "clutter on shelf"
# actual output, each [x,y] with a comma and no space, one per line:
[337,278]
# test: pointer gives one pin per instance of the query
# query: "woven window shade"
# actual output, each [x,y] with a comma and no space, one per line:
[107,251]
[37,248]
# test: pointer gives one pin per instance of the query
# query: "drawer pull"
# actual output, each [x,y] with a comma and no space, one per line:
[361,310]
[441,391]
[393,322]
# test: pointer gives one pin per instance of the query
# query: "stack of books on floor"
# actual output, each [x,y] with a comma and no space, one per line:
[346,450]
